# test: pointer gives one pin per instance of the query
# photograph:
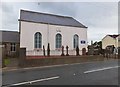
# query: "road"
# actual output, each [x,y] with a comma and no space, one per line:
[90,73]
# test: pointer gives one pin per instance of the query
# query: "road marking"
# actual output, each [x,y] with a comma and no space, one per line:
[102,69]
[33,81]
[22,83]
[51,78]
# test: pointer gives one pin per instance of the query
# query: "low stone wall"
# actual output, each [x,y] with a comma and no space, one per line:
[27,61]
[59,60]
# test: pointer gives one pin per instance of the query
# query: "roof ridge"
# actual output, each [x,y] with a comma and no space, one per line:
[38,17]
[46,13]
[114,35]
[9,31]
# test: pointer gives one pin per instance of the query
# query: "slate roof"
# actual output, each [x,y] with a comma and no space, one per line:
[10,36]
[114,36]
[46,18]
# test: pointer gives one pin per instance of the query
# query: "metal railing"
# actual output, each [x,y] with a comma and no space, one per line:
[52,52]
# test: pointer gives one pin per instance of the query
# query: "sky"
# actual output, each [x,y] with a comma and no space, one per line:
[101,18]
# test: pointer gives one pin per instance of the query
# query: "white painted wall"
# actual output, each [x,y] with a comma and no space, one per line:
[27,32]
[28,29]
[67,35]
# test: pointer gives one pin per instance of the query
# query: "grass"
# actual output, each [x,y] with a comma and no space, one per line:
[7,61]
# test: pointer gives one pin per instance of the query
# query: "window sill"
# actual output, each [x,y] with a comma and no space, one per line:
[58,49]
[13,51]
[38,49]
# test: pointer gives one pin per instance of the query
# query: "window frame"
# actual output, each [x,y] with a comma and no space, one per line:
[58,41]
[75,41]
[37,40]
[13,47]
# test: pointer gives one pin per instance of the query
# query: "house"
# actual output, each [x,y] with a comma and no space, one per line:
[118,38]
[111,40]
[11,43]
[38,29]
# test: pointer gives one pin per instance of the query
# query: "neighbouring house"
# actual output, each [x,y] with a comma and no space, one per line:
[38,29]
[10,42]
[118,38]
[111,40]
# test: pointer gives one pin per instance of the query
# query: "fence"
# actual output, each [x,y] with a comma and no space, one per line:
[52,52]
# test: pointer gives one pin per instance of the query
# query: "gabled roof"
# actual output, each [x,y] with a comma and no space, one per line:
[46,18]
[113,36]
[10,36]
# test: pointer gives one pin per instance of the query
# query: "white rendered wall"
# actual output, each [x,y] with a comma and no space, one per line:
[67,35]
[27,32]
[28,29]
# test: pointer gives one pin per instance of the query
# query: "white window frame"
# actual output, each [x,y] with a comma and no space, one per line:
[58,41]
[75,41]
[38,40]
[13,47]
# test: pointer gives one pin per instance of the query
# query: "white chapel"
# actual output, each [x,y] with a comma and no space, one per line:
[38,29]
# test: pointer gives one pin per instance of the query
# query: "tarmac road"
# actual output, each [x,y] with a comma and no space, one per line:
[90,73]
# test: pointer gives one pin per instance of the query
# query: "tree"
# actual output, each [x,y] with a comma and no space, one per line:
[48,50]
[97,47]
[98,44]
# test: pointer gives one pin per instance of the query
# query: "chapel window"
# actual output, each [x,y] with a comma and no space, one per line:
[75,41]
[58,40]
[38,40]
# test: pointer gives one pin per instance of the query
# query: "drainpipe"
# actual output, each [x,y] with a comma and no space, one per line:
[48,33]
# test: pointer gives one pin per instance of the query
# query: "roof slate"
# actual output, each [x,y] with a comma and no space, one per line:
[38,17]
[114,36]
[10,36]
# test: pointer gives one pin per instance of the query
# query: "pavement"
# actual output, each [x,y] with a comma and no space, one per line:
[87,73]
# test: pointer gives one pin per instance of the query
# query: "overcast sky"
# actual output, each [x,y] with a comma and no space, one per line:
[101,18]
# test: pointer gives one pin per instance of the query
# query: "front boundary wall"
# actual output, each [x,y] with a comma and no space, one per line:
[25,61]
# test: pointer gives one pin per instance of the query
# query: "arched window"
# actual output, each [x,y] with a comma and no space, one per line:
[38,40]
[75,41]
[58,40]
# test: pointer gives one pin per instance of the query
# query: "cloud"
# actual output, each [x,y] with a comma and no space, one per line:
[9,17]
[61,8]
[99,17]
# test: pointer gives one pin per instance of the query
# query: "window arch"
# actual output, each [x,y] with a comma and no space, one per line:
[38,40]
[58,40]
[75,41]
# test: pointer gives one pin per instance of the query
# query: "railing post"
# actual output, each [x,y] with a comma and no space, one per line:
[48,50]
[67,51]
[77,51]
[62,51]
[43,50]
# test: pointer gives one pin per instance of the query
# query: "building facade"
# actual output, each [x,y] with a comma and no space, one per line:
[111,40]
[39,29]
[11,43]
